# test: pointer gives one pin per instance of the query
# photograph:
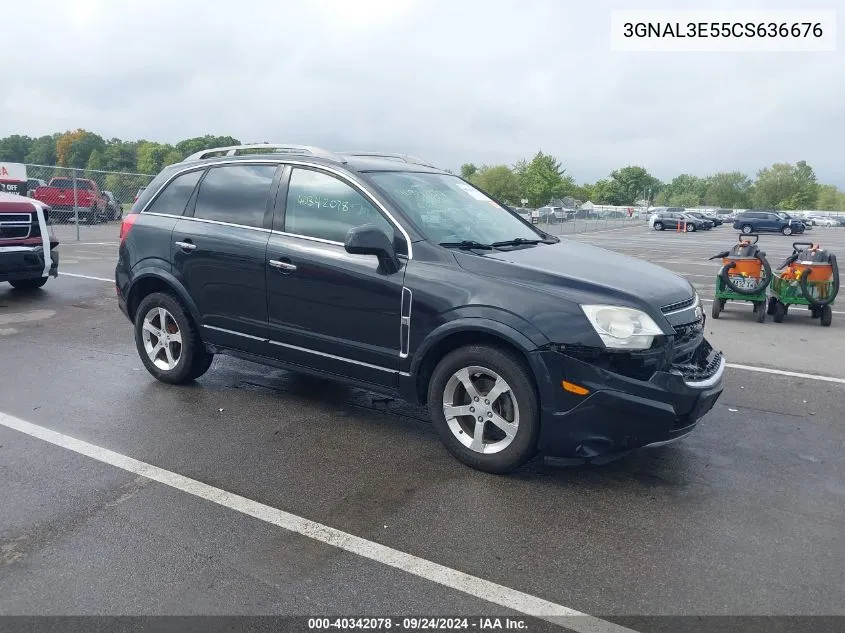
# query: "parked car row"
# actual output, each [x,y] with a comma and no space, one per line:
[680,220]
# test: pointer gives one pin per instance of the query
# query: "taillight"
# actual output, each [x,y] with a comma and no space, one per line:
[128,221]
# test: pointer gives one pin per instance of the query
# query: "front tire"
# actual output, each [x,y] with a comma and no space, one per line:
[168,341]
[658,226]
[484,408]
[787,230]
[760,309]
[29,284]
[780,312]
[746,228]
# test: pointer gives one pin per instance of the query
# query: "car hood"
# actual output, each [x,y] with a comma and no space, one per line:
[573,268]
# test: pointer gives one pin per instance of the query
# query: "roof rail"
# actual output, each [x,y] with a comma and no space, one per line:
[403,157]
[233,150]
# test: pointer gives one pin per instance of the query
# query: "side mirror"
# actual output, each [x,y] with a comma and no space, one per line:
[371,240]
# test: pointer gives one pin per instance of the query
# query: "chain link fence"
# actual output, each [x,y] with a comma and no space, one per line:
[562,221]
[84,198]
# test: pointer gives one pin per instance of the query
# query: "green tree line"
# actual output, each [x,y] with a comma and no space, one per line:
[542,179]
[538,180]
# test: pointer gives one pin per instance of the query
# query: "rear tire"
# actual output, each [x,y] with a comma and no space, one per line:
[163,313]
[747,229]
[780,312]
[658,226]
[826,316]
[690,228]
[760,308]
[772,304]
[494,450]
[29,284]
[716,309]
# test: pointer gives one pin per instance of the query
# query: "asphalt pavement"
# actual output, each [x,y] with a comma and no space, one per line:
[356,507]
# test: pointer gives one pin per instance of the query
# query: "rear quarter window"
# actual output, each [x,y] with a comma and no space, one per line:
[174,198]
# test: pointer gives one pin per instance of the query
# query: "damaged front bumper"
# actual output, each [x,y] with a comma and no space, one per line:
[633,401]
[26,262]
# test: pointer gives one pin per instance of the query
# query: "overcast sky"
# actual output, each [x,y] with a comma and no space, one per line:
[487,81]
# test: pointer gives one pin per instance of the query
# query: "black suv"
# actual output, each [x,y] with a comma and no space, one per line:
[399,277]
[768,222]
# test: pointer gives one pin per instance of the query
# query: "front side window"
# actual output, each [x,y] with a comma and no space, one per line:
[322,206]
[175,196]
[235,194]
[449,210]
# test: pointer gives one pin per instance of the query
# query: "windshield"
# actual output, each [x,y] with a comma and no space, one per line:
[447,209]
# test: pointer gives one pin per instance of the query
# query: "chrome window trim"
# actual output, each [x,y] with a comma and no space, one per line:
[321,240]
[286,161]
[308,237]
[185,217]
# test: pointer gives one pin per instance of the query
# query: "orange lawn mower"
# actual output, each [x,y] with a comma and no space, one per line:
[744,276]
[810,277]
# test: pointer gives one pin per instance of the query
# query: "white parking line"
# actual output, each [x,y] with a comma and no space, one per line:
[86,277]
[471,585]
[783,372]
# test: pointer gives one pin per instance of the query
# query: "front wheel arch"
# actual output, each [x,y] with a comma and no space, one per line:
[462,335]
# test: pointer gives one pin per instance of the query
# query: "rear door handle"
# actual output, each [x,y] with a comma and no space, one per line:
[283,266]
[187,245]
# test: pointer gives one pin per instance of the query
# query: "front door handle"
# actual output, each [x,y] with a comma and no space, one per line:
[187,245]
[282,266]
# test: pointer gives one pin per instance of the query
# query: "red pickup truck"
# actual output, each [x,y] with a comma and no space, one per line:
[58,195]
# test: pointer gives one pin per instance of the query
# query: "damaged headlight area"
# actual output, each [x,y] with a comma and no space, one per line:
[622,328]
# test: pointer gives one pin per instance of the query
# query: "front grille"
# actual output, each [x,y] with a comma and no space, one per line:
[15,226]
[688,332]
[703,364]
[677,307]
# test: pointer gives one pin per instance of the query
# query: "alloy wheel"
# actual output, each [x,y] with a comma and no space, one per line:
[162,338]
[481,409]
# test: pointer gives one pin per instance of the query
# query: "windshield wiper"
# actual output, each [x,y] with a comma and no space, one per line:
[519,241]
[467,244]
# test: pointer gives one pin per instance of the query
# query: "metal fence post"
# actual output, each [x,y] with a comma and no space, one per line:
[75,205]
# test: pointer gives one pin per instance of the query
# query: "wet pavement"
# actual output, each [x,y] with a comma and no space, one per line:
[746,516]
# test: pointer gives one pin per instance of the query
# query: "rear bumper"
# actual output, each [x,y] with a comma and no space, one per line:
[620,414]
[25,262]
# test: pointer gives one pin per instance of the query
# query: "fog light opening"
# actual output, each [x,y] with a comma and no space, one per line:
[571,387]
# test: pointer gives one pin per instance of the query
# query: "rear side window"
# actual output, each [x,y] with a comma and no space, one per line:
[325,207]
[175,196]
[235,194]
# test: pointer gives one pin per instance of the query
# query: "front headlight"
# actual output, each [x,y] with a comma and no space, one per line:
[622,328]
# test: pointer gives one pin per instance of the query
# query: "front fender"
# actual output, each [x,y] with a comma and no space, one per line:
[496,322]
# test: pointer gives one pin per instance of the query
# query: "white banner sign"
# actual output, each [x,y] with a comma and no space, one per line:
[13,171]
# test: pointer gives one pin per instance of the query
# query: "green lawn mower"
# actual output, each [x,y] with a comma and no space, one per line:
[808,277]
[744,276]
